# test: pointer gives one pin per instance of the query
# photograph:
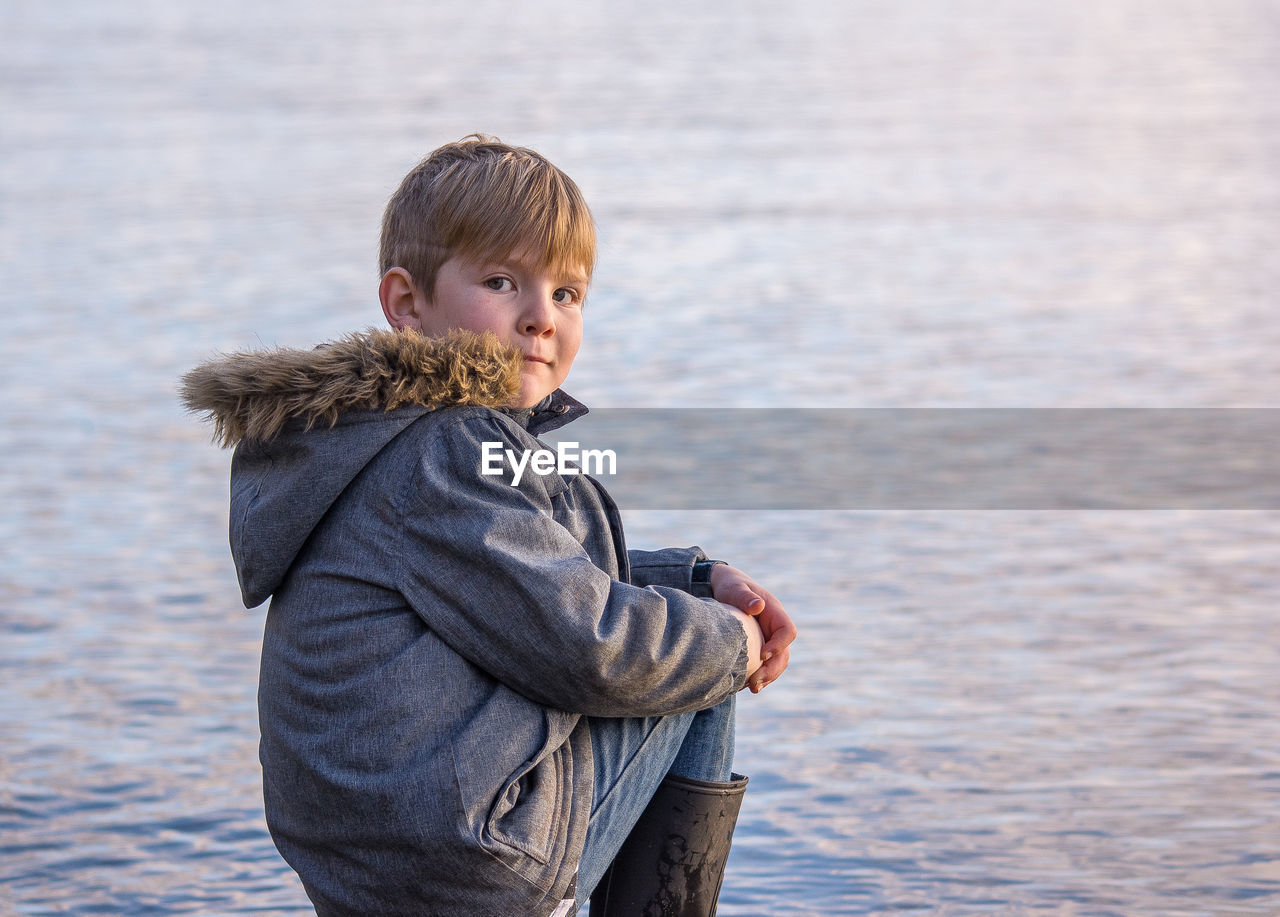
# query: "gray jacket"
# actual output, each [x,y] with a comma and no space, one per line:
[436,636]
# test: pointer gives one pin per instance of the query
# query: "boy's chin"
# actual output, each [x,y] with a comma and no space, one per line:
[528,398]
[532,390]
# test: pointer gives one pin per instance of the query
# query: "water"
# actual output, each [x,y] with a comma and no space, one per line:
[814,204]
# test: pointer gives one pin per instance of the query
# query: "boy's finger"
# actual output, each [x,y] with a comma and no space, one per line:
[779,629]
[776,638]
[769,671]
[747,601]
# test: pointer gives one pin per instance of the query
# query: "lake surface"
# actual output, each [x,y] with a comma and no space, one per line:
[812,204]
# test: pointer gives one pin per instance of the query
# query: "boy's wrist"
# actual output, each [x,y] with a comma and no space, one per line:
[701,577]
[702,570]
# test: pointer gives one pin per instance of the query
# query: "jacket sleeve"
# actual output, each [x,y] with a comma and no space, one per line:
[668,567]
[510,589]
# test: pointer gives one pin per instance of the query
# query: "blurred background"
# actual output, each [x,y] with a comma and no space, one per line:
[802,204]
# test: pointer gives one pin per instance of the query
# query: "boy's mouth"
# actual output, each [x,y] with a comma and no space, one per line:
[533,359]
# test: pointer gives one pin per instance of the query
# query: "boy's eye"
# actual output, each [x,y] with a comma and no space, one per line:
[565,295]
[498,284]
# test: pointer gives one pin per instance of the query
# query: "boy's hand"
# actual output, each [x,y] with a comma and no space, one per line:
[733,587]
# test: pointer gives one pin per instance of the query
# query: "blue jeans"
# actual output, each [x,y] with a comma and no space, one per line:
[632,755]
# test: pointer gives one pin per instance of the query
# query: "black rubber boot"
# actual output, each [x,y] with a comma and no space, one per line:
[672,862]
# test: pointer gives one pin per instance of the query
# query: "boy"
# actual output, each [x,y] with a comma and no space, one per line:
[473,699]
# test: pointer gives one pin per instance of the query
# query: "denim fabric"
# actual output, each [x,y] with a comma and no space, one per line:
[632,756]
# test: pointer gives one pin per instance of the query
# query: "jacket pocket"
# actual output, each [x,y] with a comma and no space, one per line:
[522,812]
[527,810]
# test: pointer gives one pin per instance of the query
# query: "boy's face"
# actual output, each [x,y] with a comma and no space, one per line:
[529,306]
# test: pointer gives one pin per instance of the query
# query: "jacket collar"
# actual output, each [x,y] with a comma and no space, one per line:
[551,413]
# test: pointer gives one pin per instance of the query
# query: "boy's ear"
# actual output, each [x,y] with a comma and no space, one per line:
[402,301]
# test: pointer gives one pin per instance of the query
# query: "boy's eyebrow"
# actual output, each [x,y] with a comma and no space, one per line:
[571,276]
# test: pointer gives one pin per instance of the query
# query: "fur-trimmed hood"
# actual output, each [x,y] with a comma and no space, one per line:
[305,424]
[252,396]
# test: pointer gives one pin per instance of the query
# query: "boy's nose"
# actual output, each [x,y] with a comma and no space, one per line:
[538,317]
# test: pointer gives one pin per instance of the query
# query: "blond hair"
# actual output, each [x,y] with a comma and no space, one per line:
[481,200]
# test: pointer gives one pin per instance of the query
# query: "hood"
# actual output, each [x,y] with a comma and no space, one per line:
[306,422]
[252,396]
